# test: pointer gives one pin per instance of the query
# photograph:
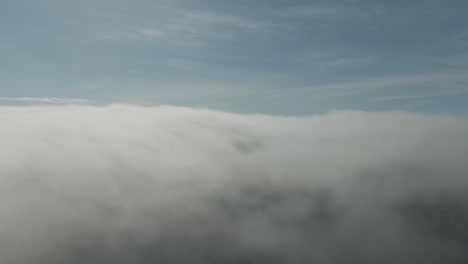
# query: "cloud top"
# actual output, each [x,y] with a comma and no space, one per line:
[129,184]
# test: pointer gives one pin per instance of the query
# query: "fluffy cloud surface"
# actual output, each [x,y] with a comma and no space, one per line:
[128,184]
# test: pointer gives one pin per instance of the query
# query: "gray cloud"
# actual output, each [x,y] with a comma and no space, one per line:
[128,184]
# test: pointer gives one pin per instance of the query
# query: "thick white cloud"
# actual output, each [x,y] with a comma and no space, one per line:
[128,184]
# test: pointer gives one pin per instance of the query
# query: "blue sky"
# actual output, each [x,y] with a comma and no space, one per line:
[276,57]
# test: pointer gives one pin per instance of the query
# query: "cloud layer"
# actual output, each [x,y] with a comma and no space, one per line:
[128,184]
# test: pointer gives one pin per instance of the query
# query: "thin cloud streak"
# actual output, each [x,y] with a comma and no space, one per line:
[184,27]
[374,83]
[328,12]
[402,97]
[48,100]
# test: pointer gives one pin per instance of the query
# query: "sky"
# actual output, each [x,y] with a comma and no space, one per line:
[289,57]
[233,131]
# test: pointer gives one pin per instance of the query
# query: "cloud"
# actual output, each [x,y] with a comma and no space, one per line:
[327,12]
[187,26]
[402,97]
[367,84]
[47,100]
[129,184]
[456,40]
[345,62]
[185,65]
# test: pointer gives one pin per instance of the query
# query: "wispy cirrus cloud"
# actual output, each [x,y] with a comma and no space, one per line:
[418,96]
[459,40]
[182,25]
[365,84]
[329,12]
[47,100]
[346,62]
[311,49]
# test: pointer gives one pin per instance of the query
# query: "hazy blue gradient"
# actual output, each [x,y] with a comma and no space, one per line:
[280,57]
